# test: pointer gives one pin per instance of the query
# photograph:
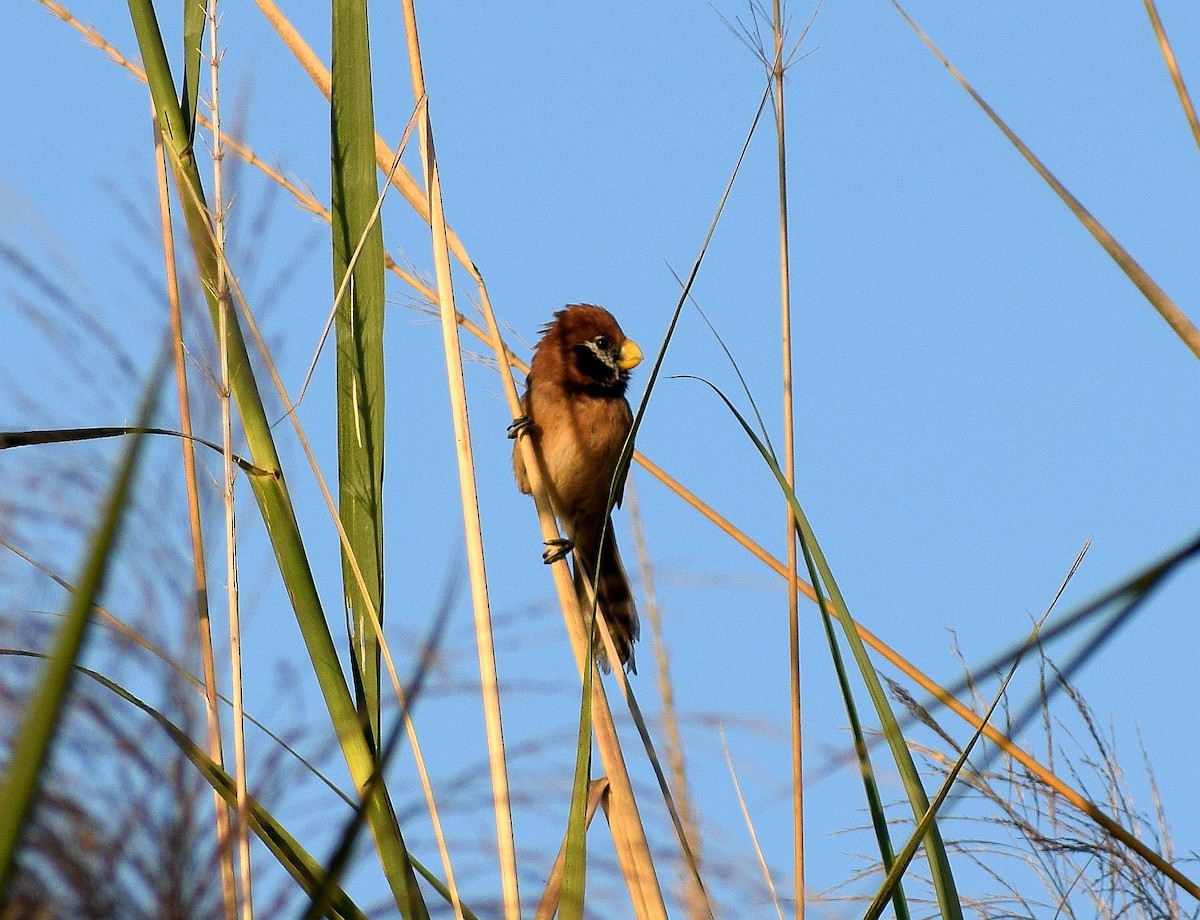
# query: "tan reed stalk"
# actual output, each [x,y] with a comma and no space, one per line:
[693,896]
[472,526]
[242,812]
[199,566]
[762,862]
[1164,45]
[629,836]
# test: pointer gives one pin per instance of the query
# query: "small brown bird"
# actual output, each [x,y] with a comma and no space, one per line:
[575,408]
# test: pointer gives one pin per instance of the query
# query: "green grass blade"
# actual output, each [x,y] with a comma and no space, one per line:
[337,864]
[270,490]
[9,439]
[939,863]
[359,336]
[194,19]
[883,837]
[574,883]
[31,746]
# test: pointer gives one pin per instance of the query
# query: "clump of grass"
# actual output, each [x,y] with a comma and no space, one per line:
[1037,855]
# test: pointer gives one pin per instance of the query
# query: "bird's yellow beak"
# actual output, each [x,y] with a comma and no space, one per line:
[630,355]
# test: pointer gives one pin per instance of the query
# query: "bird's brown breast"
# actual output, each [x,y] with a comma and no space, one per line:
[581,441]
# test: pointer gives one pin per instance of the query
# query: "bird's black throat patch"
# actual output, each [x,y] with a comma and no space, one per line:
[600,369]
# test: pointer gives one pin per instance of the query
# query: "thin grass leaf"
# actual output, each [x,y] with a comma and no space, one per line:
[939,863]
[574,878]
[861,747]
[883,837]
[879,822]
[68,435]
[32,743]
[359,337]
[271,492]
[552,896]
[194,19]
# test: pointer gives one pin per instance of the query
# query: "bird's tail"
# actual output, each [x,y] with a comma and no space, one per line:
[613,590]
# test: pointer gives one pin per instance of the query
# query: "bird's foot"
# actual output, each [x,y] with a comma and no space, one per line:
[557,549]
[519,426]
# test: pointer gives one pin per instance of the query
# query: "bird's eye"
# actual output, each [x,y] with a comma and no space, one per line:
[603,342]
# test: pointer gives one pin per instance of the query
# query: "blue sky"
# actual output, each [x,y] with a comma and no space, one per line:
[979,388]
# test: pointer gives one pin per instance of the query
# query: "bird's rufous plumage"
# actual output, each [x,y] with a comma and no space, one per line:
[579,417]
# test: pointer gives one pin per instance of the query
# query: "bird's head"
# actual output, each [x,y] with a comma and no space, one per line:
[594,353]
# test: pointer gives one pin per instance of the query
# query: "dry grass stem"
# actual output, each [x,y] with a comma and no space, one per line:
[229,481]
[778,70]
[199,565]
[1164,45]
[762,862]
[472,525]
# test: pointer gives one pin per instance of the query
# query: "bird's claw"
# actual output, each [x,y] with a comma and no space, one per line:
[519,426]
[557,549]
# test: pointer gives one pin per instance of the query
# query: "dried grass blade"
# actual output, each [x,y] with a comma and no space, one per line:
[758,853]
[1175,318]
[195,529]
